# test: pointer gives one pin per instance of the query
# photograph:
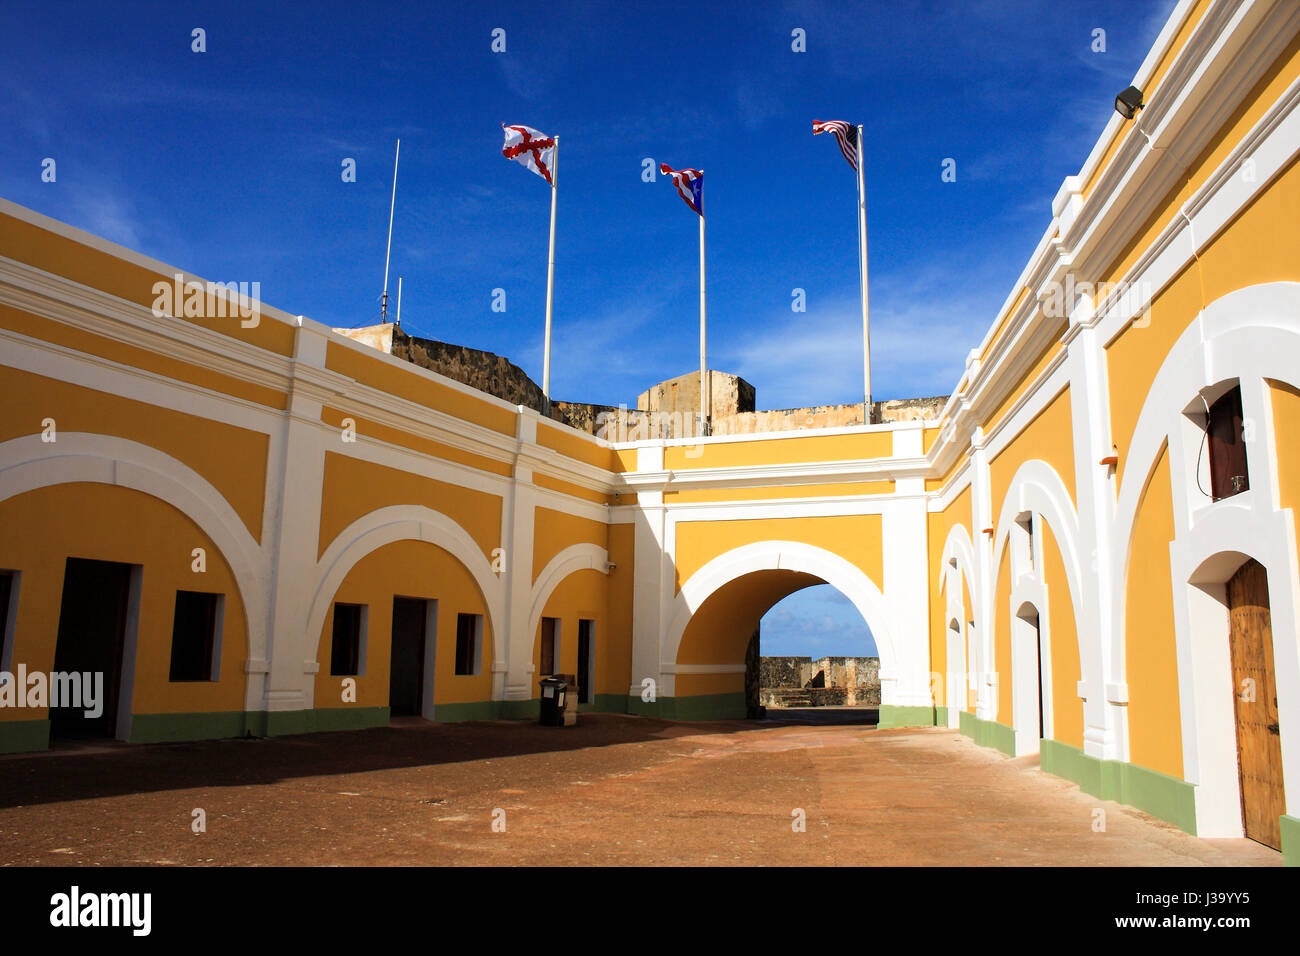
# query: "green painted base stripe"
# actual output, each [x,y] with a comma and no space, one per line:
[605,704]
[24,736]
[988,733]
[1158,794]
[281,723]
[941,716]
[892,715]
[471,710]
[1290,841]
[701,707]
[161,728]
[512,709]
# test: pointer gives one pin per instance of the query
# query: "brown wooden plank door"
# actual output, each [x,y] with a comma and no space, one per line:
[1259,746]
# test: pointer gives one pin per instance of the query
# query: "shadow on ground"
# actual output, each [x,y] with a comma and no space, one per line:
[82,770]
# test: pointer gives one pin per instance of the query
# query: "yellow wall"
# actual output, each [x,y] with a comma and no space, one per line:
[553,531]
[46,330]
[1150,654]
[1050,438]
[354,488]
[771,492]
[43,528]
[581,595]
[232,459]
[778,451]
[856,538]
[66,257]
[574,445]
[1002,637]
[720,629]
[1067,705]
[394,436]
[415,569]
[1286,425]
[1026,381]
[406,381]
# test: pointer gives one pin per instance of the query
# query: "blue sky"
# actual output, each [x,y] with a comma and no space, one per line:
[227,163]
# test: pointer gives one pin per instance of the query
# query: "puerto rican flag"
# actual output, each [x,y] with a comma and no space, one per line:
[690,185]
[534,149]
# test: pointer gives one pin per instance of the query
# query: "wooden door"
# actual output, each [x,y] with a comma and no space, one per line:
[1259,746]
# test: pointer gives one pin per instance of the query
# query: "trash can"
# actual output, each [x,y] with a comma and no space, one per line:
[555,694]
[569,703]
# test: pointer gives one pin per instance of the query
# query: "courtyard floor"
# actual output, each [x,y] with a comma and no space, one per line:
[612,790]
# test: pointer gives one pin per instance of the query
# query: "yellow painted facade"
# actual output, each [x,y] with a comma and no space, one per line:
[314,471]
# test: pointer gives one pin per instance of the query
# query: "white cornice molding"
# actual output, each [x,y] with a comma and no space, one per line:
[794,473]
[129,323]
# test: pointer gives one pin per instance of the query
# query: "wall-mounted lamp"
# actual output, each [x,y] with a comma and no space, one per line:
[1129,102]
[1111,460]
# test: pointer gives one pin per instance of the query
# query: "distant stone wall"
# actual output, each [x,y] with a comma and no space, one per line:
[667,410]
[804,682]
[783,671]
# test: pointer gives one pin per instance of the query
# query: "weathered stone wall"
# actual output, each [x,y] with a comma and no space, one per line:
[668,410]
[784,671]
[731,395]
[485,371]
[804,682]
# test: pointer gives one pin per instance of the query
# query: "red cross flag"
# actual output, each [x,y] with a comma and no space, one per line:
[534,149]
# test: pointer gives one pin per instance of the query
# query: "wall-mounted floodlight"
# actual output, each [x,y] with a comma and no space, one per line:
[1129,102]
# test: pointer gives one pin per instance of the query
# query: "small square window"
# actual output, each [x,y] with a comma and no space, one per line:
[347,651]
[196,629]
[469,643]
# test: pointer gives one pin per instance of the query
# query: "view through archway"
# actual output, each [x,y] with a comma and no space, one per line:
[816,660]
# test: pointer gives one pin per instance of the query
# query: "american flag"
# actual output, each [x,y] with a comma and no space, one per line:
[845,134]
[690,185]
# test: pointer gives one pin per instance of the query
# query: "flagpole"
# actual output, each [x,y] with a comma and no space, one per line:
[550,284]
[862,264]
[388,252]
[705,403]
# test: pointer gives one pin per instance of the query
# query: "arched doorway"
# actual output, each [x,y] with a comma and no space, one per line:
[813,659]
[717,610]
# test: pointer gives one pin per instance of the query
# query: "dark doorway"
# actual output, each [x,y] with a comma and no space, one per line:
[91,640]
[406,665]
[585,693]
[1259,748]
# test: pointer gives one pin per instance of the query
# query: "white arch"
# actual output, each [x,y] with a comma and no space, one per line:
[1036,487]
[957,547]
[1253,333]
[959,557]
[836,571]
[577,557]
[1249,335]
[403,523]
[27,464]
